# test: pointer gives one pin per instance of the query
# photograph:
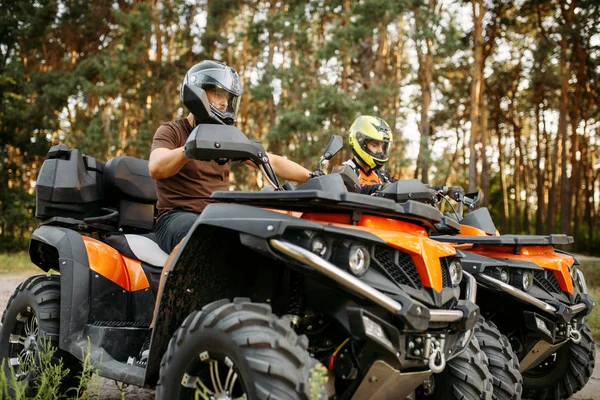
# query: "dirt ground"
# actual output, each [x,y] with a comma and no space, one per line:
[108,389]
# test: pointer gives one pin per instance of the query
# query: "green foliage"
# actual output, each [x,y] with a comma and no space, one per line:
[49,373]
[16,218]
[317,381]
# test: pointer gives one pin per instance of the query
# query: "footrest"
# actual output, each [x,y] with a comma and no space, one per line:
[122,324]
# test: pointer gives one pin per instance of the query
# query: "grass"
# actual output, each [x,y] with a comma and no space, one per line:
[591,270]
[14,263]
[49,373]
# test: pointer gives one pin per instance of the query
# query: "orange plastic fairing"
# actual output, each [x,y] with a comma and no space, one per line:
[425,253]
[109,263]
[137,277]
[543,256]
[410,238]
[466,230]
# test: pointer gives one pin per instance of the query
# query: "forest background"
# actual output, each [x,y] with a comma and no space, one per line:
[498,95]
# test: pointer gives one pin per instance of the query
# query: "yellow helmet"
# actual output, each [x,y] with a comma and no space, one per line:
[364,129]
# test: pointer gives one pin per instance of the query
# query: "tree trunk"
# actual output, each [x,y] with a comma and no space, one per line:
[485,174]
[425,82]
[539,224]
[526,174]
[478,11]
[503,184]
[565,214]
[517,175]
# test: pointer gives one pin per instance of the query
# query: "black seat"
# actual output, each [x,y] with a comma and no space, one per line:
[141,247]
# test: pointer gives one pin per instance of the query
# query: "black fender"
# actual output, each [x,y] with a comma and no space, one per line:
[62,249]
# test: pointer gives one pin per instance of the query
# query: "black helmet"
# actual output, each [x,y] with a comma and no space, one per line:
[216,76]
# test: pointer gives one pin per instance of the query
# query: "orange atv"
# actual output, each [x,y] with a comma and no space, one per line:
[534,293]
[355,284]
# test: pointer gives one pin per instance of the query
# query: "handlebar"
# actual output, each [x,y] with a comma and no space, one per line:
[457,193]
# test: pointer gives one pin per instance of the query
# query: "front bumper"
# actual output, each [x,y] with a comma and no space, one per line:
[405,310]
[424,344]
[559,310]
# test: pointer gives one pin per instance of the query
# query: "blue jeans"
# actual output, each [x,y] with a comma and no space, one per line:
[172,227]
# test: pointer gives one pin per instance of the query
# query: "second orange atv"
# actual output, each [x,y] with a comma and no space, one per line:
[537,296]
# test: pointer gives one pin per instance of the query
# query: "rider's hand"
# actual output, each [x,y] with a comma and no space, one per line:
[315,174]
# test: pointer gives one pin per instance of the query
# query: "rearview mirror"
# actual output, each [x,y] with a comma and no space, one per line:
[473,200]
[333,147]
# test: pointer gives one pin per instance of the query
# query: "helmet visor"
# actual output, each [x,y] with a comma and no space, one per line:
[378,149]
[225,78]
[221,99]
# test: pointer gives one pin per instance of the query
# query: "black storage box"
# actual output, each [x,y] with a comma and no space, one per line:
[69,185]
[130,189]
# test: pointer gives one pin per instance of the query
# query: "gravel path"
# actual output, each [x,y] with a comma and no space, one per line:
[108,389]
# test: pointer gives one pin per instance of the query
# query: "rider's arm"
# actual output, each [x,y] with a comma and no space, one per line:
[288,169]
[285,169]
[371,189]
[166,155]
[165,163]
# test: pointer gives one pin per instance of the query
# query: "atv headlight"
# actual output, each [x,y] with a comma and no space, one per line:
[359,259]
[456,272]
[319,246]
[502,274]
[526,280]
[579,280]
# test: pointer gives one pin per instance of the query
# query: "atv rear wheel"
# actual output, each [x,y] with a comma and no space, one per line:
[236,350]
[503,362]
[466,377]
[31,317]
[564,372]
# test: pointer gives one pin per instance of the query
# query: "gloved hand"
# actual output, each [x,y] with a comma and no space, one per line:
[315,174]
[374,190]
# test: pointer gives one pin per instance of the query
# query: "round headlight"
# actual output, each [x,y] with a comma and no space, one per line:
[358,259]
[503,275]
[456,272]
[319,246]
[527,280]
[579,280]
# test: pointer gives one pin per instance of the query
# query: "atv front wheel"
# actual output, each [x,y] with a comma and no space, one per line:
[503,362]
[237,350]
[32,316]
[466,377]
[564,372]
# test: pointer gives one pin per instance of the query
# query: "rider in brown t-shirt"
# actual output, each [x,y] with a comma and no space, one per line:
[184,184]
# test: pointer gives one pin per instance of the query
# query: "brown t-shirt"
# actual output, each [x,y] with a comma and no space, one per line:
[195,181]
